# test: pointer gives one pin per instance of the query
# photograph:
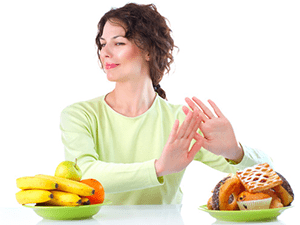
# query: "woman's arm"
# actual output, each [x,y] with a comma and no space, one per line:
[77,137]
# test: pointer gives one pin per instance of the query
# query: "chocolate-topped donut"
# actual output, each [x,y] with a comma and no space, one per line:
[215,197]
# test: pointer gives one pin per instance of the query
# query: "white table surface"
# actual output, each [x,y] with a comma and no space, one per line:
[142,215]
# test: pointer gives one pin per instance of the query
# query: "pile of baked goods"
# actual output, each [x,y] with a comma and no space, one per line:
[254,188]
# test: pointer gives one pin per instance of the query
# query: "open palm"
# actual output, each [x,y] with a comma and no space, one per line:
[176,154]
[218,135]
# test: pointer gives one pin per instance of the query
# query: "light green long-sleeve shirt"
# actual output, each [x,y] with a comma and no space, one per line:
[120,151]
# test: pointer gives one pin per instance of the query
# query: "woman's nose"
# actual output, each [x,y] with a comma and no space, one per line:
[106,52]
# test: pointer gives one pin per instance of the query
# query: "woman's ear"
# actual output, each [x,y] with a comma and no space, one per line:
[147,56]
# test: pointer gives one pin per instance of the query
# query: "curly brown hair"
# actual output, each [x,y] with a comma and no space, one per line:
[149,30]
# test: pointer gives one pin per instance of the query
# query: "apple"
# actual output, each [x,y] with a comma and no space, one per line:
[69,170]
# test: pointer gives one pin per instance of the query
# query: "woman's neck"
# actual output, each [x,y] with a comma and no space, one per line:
[131,99]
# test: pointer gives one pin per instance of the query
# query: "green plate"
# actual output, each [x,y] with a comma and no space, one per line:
[67,212]
[245,215]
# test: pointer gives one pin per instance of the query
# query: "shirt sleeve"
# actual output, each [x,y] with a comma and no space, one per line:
[252,157]
[77,137]
[215,161]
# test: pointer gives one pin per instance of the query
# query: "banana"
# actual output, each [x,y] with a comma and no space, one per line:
[36,183]
[61,198]
[85,201]
[70,186]
[33,196]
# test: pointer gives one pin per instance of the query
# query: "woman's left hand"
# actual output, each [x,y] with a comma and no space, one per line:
[218,135]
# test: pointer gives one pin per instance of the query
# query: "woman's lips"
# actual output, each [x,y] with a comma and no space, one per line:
[109,66]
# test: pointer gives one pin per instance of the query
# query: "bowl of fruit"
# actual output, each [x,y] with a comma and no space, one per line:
[64,196]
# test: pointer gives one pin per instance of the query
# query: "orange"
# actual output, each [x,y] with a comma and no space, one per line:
[99,195]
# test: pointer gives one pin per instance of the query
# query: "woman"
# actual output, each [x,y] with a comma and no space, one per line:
[130,139]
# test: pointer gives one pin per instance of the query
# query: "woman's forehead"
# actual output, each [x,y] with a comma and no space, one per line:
[112,30]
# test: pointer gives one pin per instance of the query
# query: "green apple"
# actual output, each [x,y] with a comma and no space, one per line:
[69,170]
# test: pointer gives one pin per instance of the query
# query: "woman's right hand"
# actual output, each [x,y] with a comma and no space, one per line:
[176,155]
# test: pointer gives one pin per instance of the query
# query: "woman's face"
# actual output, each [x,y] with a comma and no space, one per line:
[122,59]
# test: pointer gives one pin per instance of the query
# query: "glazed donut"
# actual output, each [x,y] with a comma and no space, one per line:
[284,191]
[226,192]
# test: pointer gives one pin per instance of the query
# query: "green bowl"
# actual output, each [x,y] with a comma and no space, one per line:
[245,215]
[67,212]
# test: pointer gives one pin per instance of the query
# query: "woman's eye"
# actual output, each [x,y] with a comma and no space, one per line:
[117,44]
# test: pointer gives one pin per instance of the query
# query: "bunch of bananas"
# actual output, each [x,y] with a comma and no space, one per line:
[52,191]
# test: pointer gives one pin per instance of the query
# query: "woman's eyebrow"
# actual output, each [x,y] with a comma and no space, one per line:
[101,38]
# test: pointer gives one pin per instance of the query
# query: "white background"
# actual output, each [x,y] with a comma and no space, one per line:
[244,55]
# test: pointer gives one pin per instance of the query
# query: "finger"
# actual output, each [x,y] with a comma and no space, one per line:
[191,129]
[184,126]
[201,115]
[185,109]
[204,108]
[216,108]
[195,148]
[193,106]
[198,136]
[195,128]
[173,133]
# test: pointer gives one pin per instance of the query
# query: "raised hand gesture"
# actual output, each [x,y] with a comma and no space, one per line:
[218,135]
[176,154]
